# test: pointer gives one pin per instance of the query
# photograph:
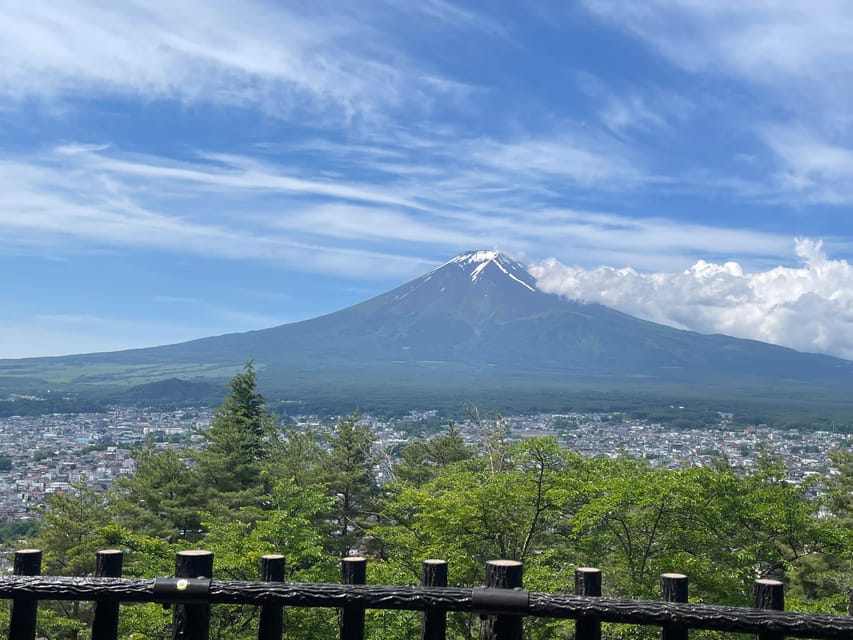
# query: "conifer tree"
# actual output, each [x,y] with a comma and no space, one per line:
[230,467]
[349,478]
[162,498]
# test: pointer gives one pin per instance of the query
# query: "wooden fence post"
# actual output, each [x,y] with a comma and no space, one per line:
[353,571]
[434,622]
[769,594]
[503,574]
[587,583]
[270,625]
[22,622]
[192,621]
[105,615]
[673,588]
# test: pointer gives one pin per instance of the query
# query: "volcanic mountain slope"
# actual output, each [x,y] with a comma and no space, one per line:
[477,318]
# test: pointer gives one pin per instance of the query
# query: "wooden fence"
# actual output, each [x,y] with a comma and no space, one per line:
[501,601]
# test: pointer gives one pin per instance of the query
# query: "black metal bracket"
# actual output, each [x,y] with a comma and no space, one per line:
[487,600]
[183,590]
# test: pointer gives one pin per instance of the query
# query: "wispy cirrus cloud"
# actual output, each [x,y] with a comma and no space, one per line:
[279,58]
[565,158]
[65,204]
[237,208]
[767,42]
[817,170]
[788,67]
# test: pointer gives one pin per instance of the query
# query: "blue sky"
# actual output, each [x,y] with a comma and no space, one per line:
[173,170]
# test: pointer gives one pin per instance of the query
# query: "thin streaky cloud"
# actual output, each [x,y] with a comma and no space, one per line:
[818,170]
[40,205]
[244,173]
[265,55]
[61,202]
[791,65]
[344,221]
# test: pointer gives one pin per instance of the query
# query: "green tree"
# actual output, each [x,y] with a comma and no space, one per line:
[840,486]
[67,534]
[70,536]
[292,525]
[349,479]
[231,464]
[162,499]
[421,460]
[470,513]
[297,456]
[826,577]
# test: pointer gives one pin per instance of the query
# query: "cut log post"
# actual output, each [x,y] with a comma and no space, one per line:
[22,622]
[191,621]
[673,588]
[587,583]
[270,625]
[353,571]
[105,616]
[769,594]
[434,621]
[503,575]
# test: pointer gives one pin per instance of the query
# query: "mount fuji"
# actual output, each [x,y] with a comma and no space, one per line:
[477,324]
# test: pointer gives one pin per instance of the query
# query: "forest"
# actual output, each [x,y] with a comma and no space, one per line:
[317,495]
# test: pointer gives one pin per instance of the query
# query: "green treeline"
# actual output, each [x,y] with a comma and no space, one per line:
[317,495]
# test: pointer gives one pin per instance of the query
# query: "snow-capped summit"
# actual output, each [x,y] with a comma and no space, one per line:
[476,264]
[476,256]
[478,327]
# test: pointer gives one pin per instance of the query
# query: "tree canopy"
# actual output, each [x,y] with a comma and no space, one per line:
[315,494]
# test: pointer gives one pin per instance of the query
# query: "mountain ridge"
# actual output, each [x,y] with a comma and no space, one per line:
[478,320]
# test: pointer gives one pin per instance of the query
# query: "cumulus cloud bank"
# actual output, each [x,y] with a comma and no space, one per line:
[808,308]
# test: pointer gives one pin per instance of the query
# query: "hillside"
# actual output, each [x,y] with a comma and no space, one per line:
[475,327]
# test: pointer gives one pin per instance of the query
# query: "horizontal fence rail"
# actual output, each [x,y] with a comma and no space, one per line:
[502,605]
[476,600]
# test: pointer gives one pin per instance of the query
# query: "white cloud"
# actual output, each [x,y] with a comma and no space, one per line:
[809,307]
[234,207]
[767,42]
[780,70]
[584,162]
[348,222]
[67,201]
[329,63]
[819,171]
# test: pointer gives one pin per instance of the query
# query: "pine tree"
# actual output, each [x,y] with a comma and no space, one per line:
[230,467]
[162,499]
[349,478]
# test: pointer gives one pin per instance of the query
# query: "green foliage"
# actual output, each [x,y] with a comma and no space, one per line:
[162,498]
[473,511]
[68,534]
[314,496]
[349,481]
[229,468]
[13,531]
[29,407]
[420,460]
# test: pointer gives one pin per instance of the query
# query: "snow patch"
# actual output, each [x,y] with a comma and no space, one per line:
[482,259]
[475,257]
